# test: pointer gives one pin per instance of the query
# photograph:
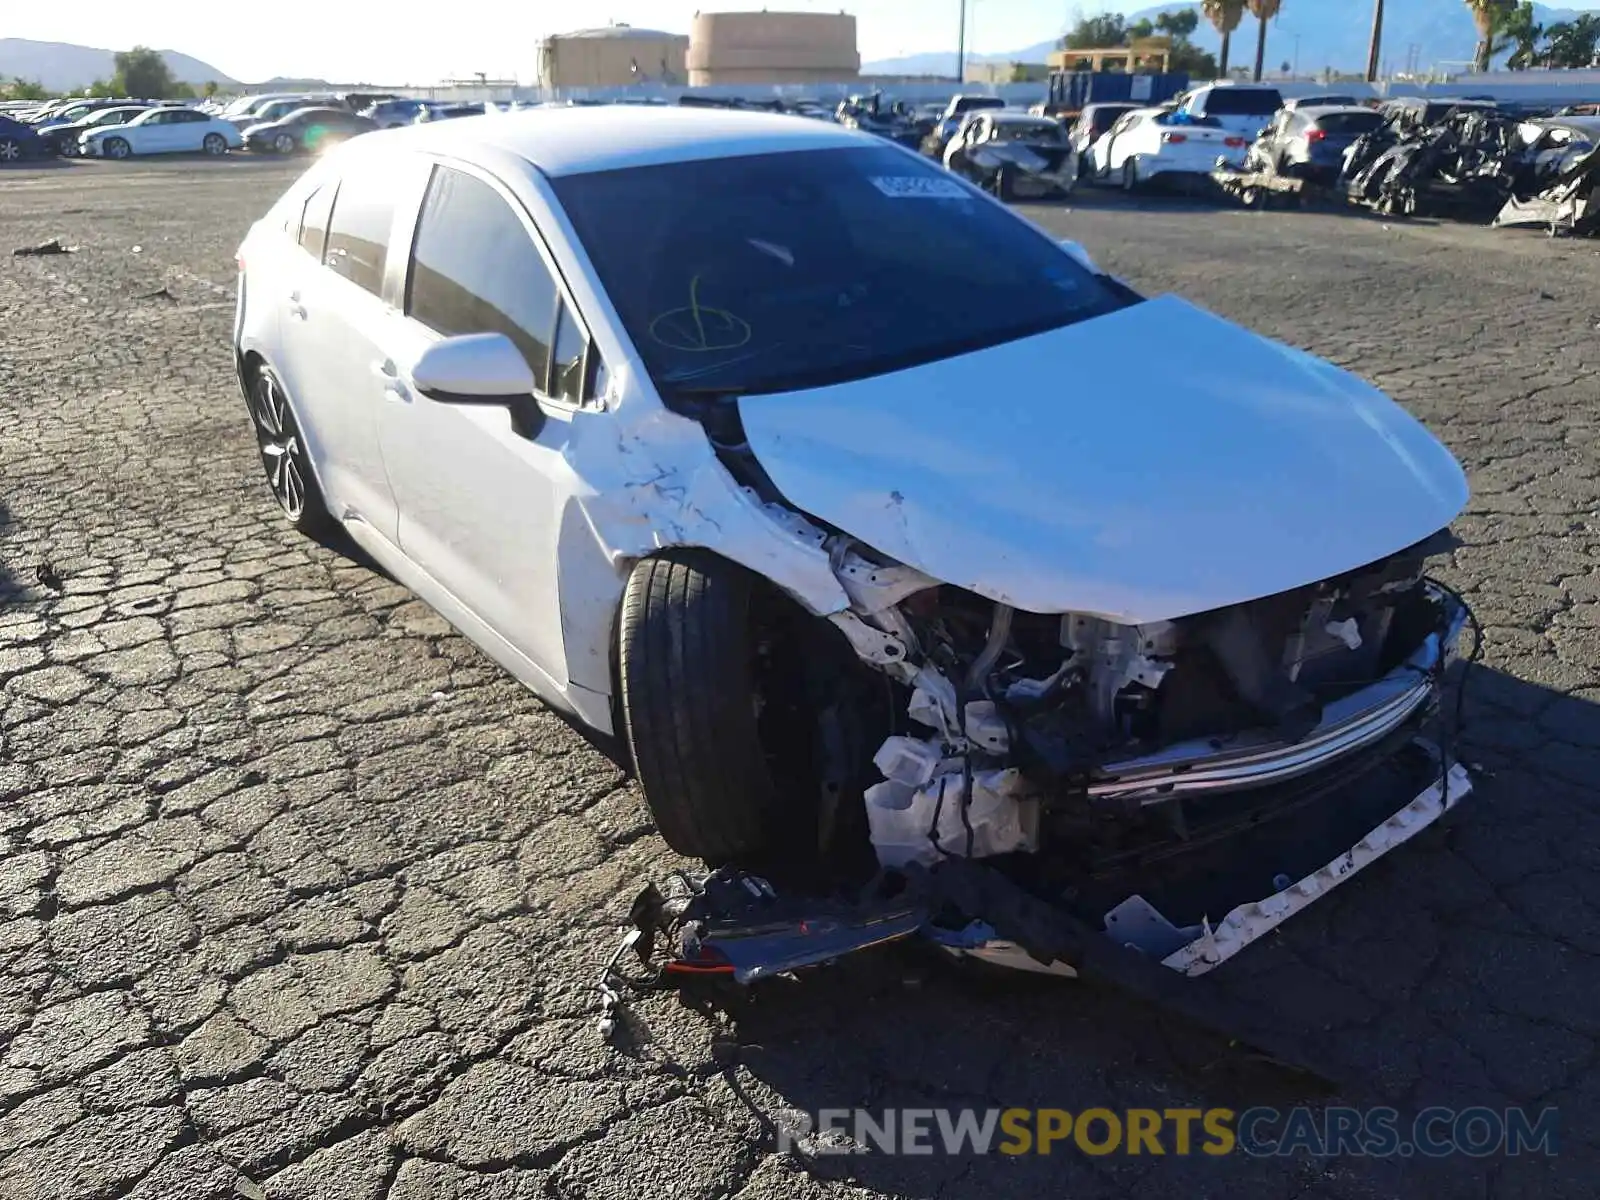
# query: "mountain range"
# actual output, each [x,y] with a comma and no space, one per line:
[63,67]
[1416,32]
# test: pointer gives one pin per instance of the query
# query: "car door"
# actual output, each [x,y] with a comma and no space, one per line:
[160,133]
[478,488]
[337,315]
[189,129]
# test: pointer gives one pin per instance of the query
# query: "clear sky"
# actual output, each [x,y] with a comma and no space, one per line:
[422,41]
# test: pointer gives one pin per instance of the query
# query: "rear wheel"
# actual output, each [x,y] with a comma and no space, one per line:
[10,150]
[215,144]
[284,457]
[1130,174]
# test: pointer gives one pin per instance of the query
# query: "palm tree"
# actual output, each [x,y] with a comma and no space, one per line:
[1489,16]
[1377,41]
[1263,11]
[1224,16]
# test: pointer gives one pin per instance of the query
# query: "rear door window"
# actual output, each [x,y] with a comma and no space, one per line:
[358,232]
[475,269]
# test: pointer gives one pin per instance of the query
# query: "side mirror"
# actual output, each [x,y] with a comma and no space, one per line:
[480,368]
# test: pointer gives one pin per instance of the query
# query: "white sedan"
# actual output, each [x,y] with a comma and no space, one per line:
[171,130]
[822,478]
[1149,142]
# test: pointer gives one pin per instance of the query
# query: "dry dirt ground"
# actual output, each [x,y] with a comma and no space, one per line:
[300,896]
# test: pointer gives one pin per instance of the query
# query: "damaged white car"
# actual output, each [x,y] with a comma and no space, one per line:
[825,481]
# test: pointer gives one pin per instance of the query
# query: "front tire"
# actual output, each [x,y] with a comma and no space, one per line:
[118,148]
[691,705]
[283,455]
[10,150]
[1130,175]
[284,144]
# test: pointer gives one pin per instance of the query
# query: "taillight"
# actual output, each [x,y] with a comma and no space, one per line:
[1316,135]
[238,260]
[1174,138]
[1235,141]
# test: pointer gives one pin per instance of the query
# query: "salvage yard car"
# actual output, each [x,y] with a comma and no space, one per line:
[999,150]
[307,129]
[162,131]
[1151,143]
[821,477]
[1310,142]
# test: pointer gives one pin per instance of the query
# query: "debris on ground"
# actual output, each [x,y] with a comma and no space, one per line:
[735,927]
[53,246]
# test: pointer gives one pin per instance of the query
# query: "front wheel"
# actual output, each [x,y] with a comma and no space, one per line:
[10,150]
[284,144]
[1130,175]
[117,148]
[215,145]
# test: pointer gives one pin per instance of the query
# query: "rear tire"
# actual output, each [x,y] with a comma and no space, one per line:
[1130,175]
[282,448]
[10,150]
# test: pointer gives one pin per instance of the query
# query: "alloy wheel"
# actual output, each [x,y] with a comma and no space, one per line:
[117,148]
[10,150]
[215,144]
[278,438]
[284,144]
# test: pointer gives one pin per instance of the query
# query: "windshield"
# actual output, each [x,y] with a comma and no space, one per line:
[783,271]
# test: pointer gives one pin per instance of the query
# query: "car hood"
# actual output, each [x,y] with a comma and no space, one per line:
[1148,464]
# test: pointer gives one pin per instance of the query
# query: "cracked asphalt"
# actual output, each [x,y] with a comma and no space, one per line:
[300,896]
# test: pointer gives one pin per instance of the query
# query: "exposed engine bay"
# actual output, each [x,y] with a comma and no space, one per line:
[1026,729]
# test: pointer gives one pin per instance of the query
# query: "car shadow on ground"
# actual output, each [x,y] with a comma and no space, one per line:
[1389,977]
[12,590]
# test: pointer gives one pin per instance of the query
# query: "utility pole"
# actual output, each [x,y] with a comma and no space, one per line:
[1377,41]
[961,47]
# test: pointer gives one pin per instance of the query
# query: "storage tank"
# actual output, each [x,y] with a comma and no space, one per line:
[772,48]
[614,56]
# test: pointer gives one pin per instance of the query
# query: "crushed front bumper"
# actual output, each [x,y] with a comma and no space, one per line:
[1348,725]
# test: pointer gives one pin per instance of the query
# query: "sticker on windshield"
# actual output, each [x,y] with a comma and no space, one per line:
[920,187]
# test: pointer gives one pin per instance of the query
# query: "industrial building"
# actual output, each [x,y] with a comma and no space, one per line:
[613,56]
[772,48]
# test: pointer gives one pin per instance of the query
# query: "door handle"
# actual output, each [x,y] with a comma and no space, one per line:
[394,387]
[297,311]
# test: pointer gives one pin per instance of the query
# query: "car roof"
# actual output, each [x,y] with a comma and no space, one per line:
[579,140]
[1012,117]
